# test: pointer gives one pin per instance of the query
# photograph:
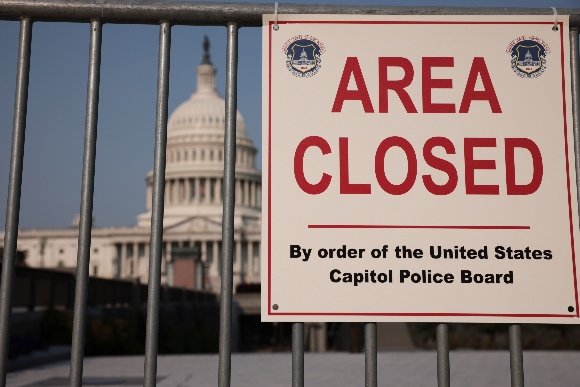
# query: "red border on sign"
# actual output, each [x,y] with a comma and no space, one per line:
[427,314]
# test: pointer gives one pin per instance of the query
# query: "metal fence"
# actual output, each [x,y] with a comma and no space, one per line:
[167,14]
[41,289]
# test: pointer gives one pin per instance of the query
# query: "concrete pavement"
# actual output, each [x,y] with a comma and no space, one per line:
[404,369]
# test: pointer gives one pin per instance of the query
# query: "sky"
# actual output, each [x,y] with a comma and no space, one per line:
[57,100]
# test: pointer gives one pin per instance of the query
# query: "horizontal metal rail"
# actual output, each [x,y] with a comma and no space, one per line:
[242,14]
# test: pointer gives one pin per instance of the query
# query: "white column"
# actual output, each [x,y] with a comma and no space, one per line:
[167,252]
[259,195]
[207,190]
[218,190]
[252,190]
[123,260]
[175,191]
[246,193]
[166,197]
[251,270]
[214,268]
[197,185]
[135,259]
[144,268]
[257,263]
[165,259]
[187,190]
[204,259]
[240,262]
[238,192]
[237,263]
[213,189]
[204,251]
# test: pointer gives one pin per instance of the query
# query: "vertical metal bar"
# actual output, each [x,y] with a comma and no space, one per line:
[225,348]
[14,187]
[298,354]
[516,356]
[442,334]
[575,72]
[371,354]
[86,212]
[156,242]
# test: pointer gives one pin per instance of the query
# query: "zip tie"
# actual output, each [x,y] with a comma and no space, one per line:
[555,27]
[276,27]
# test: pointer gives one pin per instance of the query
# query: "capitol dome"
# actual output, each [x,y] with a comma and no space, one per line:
[204,111]
[195,161]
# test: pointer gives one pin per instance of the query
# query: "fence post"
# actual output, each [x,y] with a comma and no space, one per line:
[156,242]
[516,355]
[298,354]
[14,187]
[225,335]
[86,215]
[371,354]
[442,333]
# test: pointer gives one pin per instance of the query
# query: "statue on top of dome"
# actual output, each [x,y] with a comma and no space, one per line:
[206,59]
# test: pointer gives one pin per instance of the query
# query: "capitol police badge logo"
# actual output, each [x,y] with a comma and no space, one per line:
[303,55]
[528,56]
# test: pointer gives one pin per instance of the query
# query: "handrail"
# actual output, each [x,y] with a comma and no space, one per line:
[243,14]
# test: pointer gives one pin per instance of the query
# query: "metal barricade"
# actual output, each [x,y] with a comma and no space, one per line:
[167,14]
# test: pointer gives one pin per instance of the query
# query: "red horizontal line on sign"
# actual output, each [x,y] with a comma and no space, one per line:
[404,22]
[402,314]
[419,227]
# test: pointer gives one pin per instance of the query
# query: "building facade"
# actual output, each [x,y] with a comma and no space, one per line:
[193,204]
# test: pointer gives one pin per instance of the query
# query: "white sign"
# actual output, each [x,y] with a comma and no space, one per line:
[418,169]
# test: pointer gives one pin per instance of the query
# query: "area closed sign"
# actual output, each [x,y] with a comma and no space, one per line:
[418,169]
